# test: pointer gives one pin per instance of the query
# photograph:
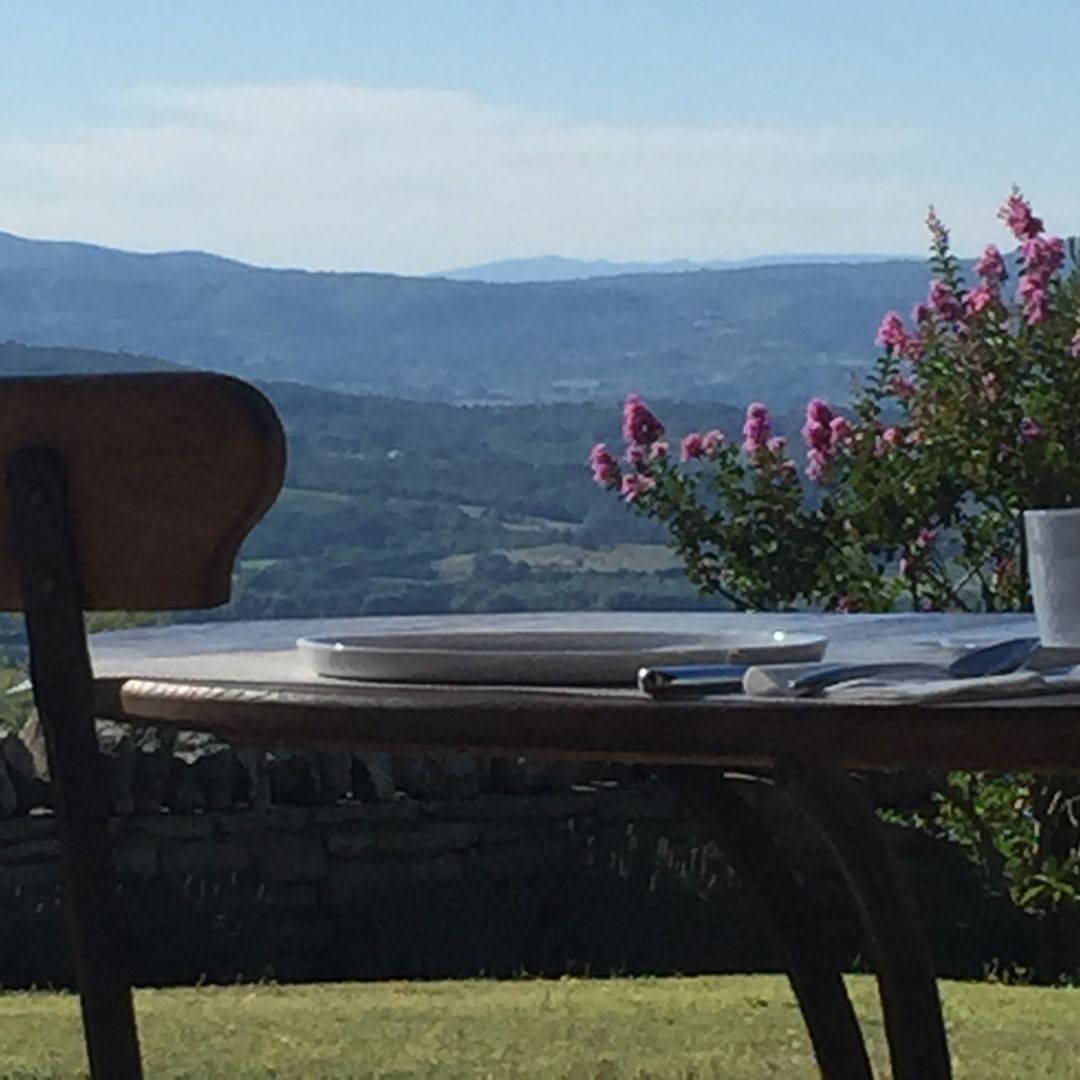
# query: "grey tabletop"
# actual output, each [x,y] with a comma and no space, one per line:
[265,650]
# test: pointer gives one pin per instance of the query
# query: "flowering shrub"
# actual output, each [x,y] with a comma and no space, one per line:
[970,414]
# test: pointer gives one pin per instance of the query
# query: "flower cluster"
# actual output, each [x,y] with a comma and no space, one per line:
[605,469]
[640,427]
[697,444]
[825,434]
[757,429]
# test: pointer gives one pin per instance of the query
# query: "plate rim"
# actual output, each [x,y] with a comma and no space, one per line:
[750,639]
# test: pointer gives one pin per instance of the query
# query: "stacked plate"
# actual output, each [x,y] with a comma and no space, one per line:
[544,657]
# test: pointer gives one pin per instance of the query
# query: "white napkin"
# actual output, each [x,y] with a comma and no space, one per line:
[885,690]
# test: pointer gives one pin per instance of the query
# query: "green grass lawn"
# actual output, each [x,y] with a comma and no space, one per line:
[730,1026]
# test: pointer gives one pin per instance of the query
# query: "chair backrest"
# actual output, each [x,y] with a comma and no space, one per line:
[166,473]
[123,492]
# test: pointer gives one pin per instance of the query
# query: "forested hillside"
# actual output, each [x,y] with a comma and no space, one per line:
[400,506]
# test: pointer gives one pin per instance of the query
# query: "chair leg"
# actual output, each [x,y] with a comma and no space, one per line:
[918,1044]
[819,989]
[63,691]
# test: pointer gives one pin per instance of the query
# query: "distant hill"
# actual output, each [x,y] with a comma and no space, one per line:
[560,268]
[19,359]
[779,333]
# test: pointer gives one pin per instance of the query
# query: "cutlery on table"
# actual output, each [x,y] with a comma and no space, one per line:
[803,680]
[692,680]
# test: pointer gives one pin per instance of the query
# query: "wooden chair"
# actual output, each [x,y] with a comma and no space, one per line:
[124,492]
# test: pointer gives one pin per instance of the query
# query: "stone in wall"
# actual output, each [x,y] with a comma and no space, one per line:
[152,769]
[335,771]
[30,789]
[436,776]
[9,797]
[294,777]
[118,763]
[203,773]
[373,776]
[519,775]
[251,785]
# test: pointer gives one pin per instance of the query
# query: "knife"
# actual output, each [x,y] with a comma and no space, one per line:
[691,680]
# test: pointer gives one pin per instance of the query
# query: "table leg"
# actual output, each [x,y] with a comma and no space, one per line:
[818,986]
[918,1045]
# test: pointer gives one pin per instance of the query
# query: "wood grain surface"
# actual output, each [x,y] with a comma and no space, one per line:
[167,473]
[1040,734]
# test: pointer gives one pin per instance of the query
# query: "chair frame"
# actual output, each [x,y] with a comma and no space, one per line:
[125,492]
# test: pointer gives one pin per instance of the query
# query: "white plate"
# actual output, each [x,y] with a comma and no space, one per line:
[543,657]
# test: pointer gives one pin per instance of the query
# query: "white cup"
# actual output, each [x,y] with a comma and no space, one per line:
[1053,557]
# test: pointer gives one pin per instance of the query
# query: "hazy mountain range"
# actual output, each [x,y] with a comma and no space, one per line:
[560,268]
[776,332]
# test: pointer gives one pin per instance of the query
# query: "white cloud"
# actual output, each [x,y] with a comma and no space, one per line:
[345,177]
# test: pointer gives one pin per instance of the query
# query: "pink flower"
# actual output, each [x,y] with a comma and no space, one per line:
[659,450]
[1074,347]
[817,431]
[891,333]
[634,486]
[635,455]
[711,442]
[817,466]
[1043,257]
[1036,303]
[1016,213]
[920,313]
[906,568]
[1030,429]
[1004,568]
[901,386]
[817,436]
[757,429]
[913,349]
[1044,253]
[692,446]
[915,437]
[605,469]
[776,444]
[845,605]
[979,299]
[990,266]
[839,432]
[889,439]
[944,303]
[926,537]
[939,234]
[893,337]
[639,424]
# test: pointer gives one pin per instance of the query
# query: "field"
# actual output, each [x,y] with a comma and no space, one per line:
[631,558]
[744,1027]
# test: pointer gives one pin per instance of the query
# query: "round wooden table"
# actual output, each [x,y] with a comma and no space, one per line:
[246,683]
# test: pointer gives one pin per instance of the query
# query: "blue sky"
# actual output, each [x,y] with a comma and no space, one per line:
[422,134]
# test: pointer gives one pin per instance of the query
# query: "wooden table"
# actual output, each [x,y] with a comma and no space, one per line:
[245,682]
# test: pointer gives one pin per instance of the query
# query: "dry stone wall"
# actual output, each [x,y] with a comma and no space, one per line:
[236,863]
